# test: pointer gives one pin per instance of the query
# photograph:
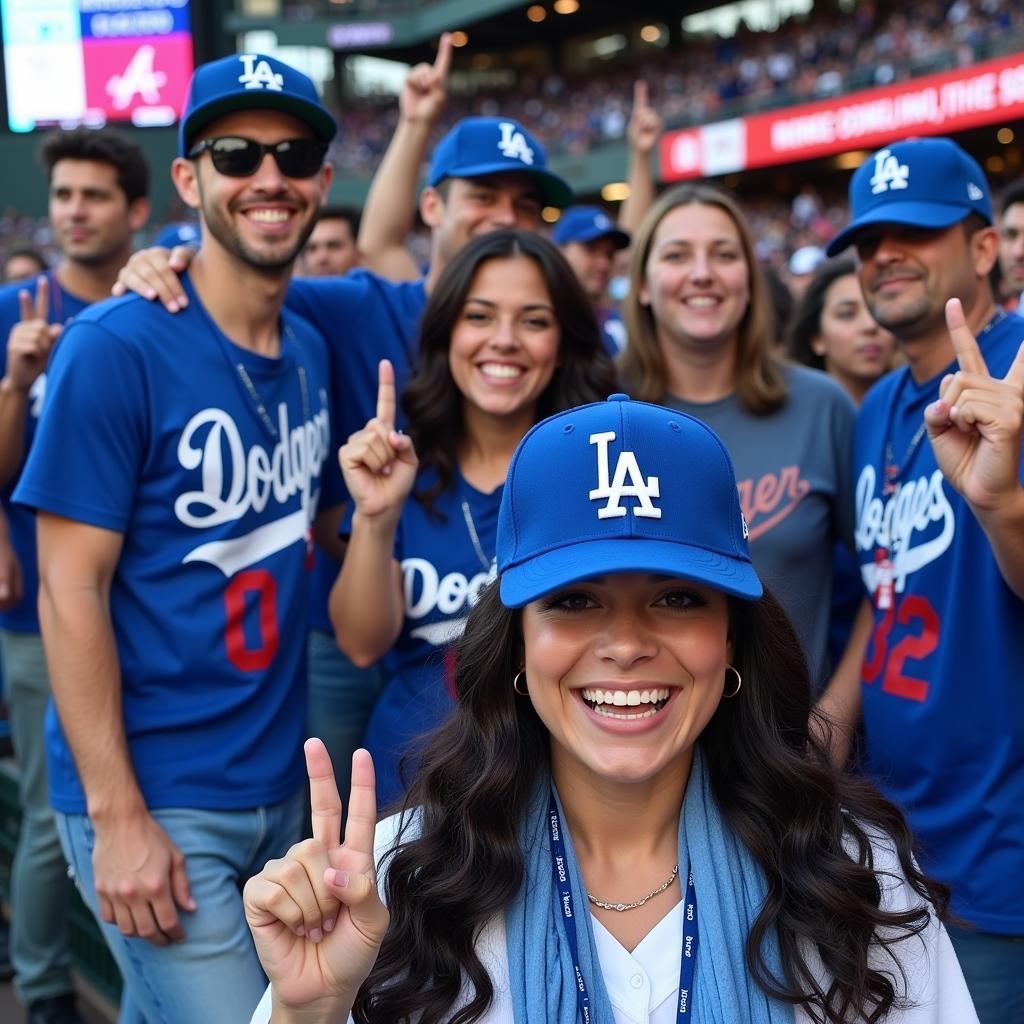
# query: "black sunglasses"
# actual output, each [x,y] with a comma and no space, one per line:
[238,157]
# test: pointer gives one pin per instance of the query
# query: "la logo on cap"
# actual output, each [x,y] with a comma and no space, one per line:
[889,174]
[513,143]
[259,76]
[626,469]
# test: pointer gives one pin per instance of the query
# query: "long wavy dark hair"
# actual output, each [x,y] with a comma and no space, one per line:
[808,826]
[805,324]
[433,403]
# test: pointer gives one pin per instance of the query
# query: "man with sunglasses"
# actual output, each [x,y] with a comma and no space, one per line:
[176,474]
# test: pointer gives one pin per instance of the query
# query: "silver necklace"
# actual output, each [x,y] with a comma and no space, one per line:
[261,409]
[474,536]
[623,907]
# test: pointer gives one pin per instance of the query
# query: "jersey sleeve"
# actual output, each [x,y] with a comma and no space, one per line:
[93,433]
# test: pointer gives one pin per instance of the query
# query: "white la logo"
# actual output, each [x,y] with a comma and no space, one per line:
[625,467]
[513,144]
[889,173]
[259,76]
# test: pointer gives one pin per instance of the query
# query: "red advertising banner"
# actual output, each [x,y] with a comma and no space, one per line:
[988,93]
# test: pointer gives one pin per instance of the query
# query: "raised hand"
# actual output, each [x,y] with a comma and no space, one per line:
[315,914]
[379,464]
[32,338]
[423,96]
[645,124]
[975,426]
[155,273]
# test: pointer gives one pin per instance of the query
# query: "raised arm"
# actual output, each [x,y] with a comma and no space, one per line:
[140,874]
[643,132]
[389,211]
[379,464]
[975,432]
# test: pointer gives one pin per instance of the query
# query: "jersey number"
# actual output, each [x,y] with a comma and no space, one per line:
[253,588]
[913,608]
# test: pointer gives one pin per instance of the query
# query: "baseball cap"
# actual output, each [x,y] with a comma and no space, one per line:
[586,223]
[250,81]
[184,233]
[639,488]
[923,183]
[490,145]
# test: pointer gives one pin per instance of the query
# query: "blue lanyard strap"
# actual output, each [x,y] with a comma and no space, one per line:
[563,883]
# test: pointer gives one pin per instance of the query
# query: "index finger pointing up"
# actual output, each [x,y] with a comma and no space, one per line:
[968,354]
[639,94]
[386,392]
[324,801]
[443,60]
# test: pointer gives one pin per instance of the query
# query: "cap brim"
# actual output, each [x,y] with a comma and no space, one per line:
[521,584]
[619,238]
[556,192]
[309,113]
[911,214]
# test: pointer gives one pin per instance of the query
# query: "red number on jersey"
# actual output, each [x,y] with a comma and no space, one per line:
[260,582]
[915,646]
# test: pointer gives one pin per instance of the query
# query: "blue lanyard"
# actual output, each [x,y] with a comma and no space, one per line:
[688,957]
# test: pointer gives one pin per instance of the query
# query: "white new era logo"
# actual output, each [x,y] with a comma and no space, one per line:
[973,192]
[513,143]
[889,174]
[628,482]
[259,75]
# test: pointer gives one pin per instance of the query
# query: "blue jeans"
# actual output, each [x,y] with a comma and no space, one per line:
[341,699]
[40,889]
[993,967]
[214,975]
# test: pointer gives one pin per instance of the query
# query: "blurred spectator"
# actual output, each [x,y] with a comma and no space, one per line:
[22,264]
[1011,246]
[331,248]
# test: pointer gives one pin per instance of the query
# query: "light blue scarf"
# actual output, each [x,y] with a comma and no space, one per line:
[730,892]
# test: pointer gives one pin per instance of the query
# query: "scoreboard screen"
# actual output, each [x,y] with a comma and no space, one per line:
[94,62]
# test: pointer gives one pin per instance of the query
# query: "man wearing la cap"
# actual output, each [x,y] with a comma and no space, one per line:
[589,241]
[175,475]
[940,522]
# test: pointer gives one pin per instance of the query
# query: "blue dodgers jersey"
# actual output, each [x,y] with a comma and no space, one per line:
[613,331]
[943,682]
[150,430]
[443,572]
[24,616]
[364,318]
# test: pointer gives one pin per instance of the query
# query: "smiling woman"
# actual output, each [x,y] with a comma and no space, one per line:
[630,737]
[507,338]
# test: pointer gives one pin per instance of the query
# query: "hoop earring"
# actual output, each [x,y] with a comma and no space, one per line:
[521,674]
[739,682]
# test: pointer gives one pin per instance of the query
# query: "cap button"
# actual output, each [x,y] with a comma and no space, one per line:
[618,397]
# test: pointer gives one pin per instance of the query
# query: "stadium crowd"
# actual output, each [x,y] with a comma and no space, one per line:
[296,480]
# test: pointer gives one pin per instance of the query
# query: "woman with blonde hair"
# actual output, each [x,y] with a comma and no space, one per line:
[702,340]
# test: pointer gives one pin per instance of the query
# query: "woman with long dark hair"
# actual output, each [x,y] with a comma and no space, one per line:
[627,817]
[507,338]
[703,339]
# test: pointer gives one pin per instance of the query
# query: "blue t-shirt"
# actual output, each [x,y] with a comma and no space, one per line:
[943,683]
[364,318]
[212,473]
[445,563]
[24,616]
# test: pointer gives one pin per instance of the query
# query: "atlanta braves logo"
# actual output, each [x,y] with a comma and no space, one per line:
[626,469]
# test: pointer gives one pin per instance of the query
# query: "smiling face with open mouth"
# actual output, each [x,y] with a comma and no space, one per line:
[626,671]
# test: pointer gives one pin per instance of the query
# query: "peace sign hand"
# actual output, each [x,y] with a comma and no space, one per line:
[975,426]
[423,96]
[32,338]
[315,914]
[379,464]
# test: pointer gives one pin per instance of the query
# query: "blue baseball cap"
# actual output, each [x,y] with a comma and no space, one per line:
[250,81]
[492,145]
[636,488]
[922,183]
[586,223]
[185,233]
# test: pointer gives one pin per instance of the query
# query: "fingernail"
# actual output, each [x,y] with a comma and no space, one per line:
[315,934]
[329,924]
[300,931]
[172,306]
[150,294]
[340,878]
